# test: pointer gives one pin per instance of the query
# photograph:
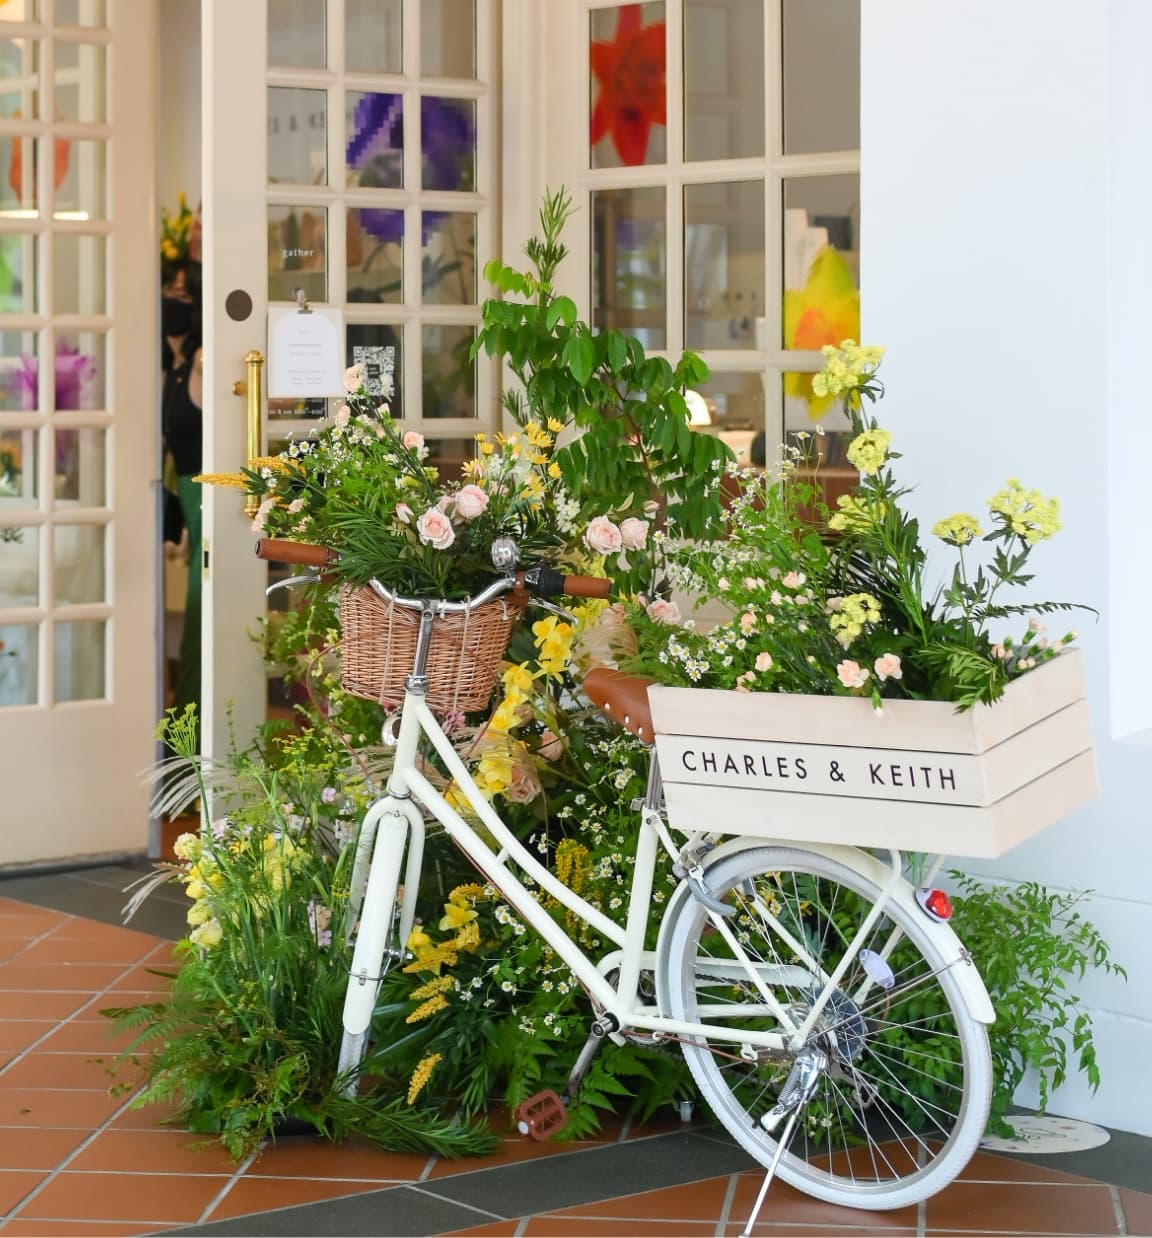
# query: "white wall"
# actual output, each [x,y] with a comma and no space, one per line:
[1005,214]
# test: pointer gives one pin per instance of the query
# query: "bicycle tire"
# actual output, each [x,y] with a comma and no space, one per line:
[898,1147]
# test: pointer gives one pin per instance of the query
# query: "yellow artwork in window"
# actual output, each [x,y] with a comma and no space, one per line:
[825,311]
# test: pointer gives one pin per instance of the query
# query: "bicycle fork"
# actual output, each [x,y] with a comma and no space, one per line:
[391,824]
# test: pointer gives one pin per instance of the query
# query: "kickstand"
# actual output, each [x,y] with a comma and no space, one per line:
[797,1091]
[781,1148]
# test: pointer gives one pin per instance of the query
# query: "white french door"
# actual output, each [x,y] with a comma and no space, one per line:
[78,427]
[349,155]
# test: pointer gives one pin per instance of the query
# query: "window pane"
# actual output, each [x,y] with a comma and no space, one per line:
[447,143]
[80,13]
[804,411]
[19,63]
[19,471]
[448,456]
[79,467]
[379,348]
[821,75]
[18,292]
[296,33]
[80,371]
[297,248]
[375,152]
[20,10]
[19,655]
[19,563]
[78,262]
[723,264]
[449,373]
[735,404]
[80,661]
[18,185]
[297,147]
[821,260]
[723,81]
[448,260]
[448,38]
[19,371]
[79,558]
[630,264]
[80,81]
[373,43]
[375,255]
[80,180]
[627,91]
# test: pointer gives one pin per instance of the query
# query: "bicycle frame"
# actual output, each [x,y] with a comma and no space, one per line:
[408,787]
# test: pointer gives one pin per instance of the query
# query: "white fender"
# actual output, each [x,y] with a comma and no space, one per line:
[948,945]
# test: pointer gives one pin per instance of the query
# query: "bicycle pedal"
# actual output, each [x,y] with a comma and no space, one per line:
[541,1116]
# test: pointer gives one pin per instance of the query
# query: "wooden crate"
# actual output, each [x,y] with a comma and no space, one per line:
[919,777]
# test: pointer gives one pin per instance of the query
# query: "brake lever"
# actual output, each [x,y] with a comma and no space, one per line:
[566,615]
[309,578]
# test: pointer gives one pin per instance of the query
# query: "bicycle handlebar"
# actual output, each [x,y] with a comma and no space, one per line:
[542,581]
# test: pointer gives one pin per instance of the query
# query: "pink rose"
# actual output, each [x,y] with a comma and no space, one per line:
[353,376]
[763,661]
[793,580]
[403,513]
[888,667]
[470,502]
[603,536]
[266,505]
[664,612]
[747,621]
[551,745]
[851,674]
[414,440]
[342,415]
[435,529]
[524,787]
[634,533]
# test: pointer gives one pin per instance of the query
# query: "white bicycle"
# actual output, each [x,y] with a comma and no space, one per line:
[830,1016]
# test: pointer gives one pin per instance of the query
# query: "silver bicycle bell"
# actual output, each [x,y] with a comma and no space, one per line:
[505,554]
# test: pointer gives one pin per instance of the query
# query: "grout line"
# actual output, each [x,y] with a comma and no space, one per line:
[625,1127]
[726,1206]
[1118,1208]
[235,1177]
[447,1199]
[519,1230]
[921,1218]
[426,1172]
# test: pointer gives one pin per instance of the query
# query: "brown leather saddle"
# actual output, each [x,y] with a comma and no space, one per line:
[623,697]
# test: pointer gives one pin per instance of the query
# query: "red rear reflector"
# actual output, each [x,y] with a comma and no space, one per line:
[935,903]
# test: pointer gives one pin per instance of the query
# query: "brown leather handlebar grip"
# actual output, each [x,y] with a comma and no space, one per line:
[587,586]
[281,550]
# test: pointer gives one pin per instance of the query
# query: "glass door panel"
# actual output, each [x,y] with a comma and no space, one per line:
[628,87]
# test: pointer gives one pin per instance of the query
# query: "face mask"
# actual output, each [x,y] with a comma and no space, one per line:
[177,317]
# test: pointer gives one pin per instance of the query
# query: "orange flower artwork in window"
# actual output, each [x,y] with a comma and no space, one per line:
[825,311]
[630,71]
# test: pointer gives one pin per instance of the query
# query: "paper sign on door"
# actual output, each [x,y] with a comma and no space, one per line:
[305,352]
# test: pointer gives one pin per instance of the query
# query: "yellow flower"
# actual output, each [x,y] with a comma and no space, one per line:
[207,934]
[959,529]
[1026,512]
[455,916]
[855,514]
[869,450]
[419,942]
[199,913]
[237,481]
[428,1009]
[421,1075]
[468,938]
[432,960]
[186,846]
[467,891]
[196,890]
[822,313]
[440,984]
[554,425]
[275,463]
[553,470]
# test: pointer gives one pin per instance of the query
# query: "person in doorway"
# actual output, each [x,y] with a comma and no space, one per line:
[182,430]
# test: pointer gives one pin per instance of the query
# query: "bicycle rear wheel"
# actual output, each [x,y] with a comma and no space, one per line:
[904,1101]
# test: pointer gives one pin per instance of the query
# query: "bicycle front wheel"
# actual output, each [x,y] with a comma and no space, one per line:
[902,1103]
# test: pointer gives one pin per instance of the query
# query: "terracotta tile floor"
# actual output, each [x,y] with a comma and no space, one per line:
[75,1159]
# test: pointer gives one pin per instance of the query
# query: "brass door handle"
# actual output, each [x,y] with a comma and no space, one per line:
[253,389]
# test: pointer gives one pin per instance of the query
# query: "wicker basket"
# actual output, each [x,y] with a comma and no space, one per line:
[379,648]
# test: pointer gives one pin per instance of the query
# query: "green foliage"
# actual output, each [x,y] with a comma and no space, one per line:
[635,445]
[249,1037]
[1031,945]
